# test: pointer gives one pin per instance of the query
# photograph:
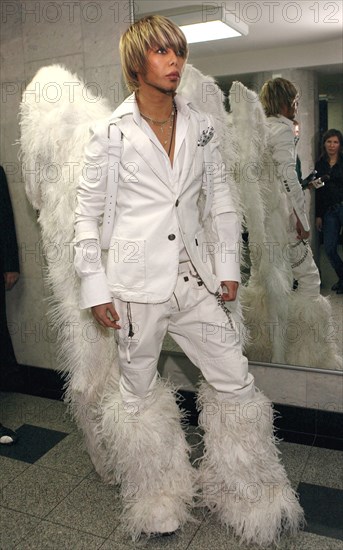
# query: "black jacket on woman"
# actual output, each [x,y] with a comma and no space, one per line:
[332,192]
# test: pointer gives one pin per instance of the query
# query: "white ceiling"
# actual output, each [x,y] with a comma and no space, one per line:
[272,24]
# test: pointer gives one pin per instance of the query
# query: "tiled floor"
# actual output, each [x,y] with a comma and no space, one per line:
[51,498]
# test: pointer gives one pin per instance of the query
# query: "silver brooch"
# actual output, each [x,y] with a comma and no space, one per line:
[206,136]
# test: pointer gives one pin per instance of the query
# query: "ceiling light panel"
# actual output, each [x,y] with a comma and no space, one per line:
[211,30]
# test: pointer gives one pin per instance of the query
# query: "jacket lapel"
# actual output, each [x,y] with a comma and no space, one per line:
[144,147]
[190,132]
[137,138]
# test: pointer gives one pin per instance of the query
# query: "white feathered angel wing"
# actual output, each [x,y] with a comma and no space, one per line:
[56,112]
[55,122]
[248,121]
[207,97]
[265,298]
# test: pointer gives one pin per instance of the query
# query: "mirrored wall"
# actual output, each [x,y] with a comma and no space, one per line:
[296,42]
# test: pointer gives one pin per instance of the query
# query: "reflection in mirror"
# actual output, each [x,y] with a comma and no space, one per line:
[289,322]
[287,317]
[306,340]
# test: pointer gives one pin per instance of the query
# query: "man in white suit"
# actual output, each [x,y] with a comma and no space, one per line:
[159,154]
[287,225]
[279,98]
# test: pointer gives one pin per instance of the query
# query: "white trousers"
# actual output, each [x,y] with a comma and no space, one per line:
[304,268]
[198,323]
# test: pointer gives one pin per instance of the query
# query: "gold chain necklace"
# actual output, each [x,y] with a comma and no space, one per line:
[158,122]
[168,138]
[162,123]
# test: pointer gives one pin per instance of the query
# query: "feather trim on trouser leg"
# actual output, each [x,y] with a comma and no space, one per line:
[150,459]
[241,476]
[312,334]
[88,416]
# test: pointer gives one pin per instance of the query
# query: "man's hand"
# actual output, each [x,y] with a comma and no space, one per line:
[319,224]
[11,277]
[302,234]
[229,289]
[106,315]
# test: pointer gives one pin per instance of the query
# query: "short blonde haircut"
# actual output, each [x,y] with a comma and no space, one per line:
[276,94]
[147,33]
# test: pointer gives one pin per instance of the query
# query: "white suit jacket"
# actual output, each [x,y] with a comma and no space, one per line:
[282,147]
[151,212]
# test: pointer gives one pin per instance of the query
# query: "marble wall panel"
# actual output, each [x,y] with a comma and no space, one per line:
[11,93]
[28,234]
[308,389]
[27,322]
[73,63]
[51,29]
[11,59]
[102,24]
[106,82]
[11,42]
[324,392]
[101,34]
[283,386]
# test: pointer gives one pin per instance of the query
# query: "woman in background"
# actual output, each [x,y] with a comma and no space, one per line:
[329,200]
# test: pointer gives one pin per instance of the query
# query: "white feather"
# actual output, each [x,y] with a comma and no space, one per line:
[243,481]
[53,136]
[312,334]
[149,458]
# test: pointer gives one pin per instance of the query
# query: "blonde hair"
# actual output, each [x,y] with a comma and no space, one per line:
[147,33]
[276,94]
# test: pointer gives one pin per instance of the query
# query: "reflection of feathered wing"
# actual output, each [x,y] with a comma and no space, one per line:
[285,325]
[265,297]
[55,123]
[206,96]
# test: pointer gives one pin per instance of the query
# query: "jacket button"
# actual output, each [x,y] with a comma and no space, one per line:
[177,202]
[171,237]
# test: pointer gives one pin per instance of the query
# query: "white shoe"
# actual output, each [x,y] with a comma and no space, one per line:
[7,436]
[161,522]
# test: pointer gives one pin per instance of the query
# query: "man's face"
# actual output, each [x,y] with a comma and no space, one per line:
[163,70]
